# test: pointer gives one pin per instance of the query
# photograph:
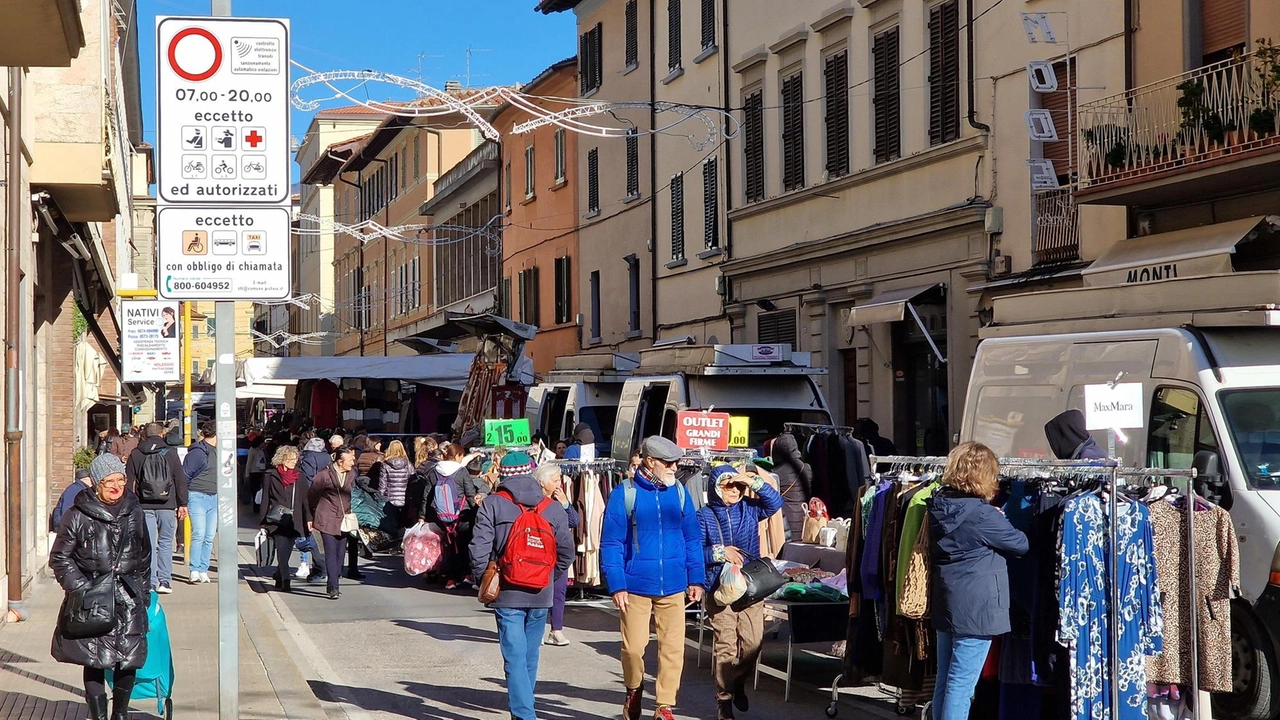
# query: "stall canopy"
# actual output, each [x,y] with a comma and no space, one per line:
[447,371]
[1206,250]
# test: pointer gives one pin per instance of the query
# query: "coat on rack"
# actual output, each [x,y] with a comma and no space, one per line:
[795,480]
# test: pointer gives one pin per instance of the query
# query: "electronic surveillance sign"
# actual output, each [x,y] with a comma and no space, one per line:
[223,110]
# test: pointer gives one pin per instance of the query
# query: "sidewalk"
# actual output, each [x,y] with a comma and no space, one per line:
[35,687]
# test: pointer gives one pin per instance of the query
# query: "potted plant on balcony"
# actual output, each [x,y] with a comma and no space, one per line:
[1197,115]
[1266,72]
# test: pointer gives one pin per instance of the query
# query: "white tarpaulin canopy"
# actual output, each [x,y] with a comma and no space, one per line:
[448,371]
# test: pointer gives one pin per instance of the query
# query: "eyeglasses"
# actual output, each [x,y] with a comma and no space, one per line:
[668,463]
[121,481]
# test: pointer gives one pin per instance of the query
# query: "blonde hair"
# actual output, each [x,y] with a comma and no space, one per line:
[283,454]
[395,451]
[973,469]
[422,449]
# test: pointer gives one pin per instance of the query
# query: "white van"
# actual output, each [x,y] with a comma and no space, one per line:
[582,388]
[770,384]
[1211,379]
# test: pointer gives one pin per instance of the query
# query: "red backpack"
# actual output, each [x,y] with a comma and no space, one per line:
[529,559]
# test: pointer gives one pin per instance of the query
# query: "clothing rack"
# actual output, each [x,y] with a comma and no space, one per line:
[599,464]
[786,427]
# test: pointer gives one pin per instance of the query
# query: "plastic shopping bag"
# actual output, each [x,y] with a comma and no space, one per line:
[732,585]
[423,548]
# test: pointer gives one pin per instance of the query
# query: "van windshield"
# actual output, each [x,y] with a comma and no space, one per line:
[1253,417]
[769,422]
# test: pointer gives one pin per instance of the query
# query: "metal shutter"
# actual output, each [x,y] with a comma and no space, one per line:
[944,73]
[677,217]
[836,71]
[793,132]
[1222,25]
[776,327]
[887,96]
[753,146]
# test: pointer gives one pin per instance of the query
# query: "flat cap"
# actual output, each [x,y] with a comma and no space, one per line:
[660,448]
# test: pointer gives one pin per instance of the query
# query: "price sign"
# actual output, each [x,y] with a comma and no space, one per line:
[506,433]
[739,431]
[696,430]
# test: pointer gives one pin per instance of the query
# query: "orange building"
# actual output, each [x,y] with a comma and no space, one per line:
[540,204]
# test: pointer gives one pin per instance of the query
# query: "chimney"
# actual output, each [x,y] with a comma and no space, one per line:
[452,86]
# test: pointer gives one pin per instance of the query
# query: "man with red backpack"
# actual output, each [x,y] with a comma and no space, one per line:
[524,537]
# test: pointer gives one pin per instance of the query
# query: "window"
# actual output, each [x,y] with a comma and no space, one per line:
[633,163]
[561,142]
[710,204]
[673,35]
[677,217]
[595,304]
[1179,428]
[793,132]
[1061,105]
[528,286]
[416,159]
[195,367]
[633,284]
[590,56]
[415,280]
[195,332]
[506,186]
[836,74]
[944,72]
[633,33]
[210,328]
[593,181]
[528,172]
[776,327]
[564,291]
[1223,29]
[504,299]
[208,363]
[885,96]
[753,146]
[404,168]
[708,24]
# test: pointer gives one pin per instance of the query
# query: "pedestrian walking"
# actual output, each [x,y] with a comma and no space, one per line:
[969,582]
[157,479]
[552,483]
[285,512]
[426,453]
[124,445]
[314,458]
[443,504]
[651,557]
[369,462]
[68,497]
[329,500]
[730,525]
[200,468]
[395,474]
[102,559]
[527,536]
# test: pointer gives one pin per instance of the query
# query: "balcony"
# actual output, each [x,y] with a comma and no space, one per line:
[1057,228]
[40,33]
[1203,135]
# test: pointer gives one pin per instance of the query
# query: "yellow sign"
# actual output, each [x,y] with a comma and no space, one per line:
[739,431]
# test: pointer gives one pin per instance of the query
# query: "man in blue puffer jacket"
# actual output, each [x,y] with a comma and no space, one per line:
[651,556]
[731,534]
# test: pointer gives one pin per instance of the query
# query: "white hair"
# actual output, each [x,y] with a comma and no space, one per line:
[545,472]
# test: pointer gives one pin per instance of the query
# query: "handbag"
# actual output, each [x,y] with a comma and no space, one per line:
[91,611]
[763,580]
[280,516]
[490,583]
[815,518]
[350,521]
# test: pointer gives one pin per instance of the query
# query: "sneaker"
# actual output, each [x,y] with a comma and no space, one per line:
[631,706]
[740,696]
[320,578]
[664,713]
[303,571]
[164,589]
[557,638]
[451,585]
[204,577]
[194,578]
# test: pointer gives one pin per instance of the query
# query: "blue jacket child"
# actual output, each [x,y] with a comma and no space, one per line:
[736,525]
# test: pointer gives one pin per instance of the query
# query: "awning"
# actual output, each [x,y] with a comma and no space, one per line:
[447,371]
[888,306]
[458,325]
[263,392]
[428,346]
[1205,250]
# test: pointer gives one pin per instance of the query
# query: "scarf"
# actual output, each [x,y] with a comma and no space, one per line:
[287,476]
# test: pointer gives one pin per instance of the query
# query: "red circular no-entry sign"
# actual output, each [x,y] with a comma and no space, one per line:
[194,75]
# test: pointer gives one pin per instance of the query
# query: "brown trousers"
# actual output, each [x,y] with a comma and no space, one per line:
[738,637]
[668,617]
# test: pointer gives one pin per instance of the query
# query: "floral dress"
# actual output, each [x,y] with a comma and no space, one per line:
[1083,599]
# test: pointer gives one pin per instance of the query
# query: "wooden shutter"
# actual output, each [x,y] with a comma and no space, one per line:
[593,281]
[708,23]
[597,51]
[504,299]
[673,34]
[535,317]
[710,205]
[633,164]
[886,96]
[1222,24]
[836,72]
[793,132]
[944,73]
[593,180]
[584,63]
[753,146]
[563,290]
[1061,105]
[776,327]
[633,34]
[677,217]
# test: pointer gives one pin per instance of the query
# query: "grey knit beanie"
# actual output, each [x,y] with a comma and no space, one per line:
[104,465]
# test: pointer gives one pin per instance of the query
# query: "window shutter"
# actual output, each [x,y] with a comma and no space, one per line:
[677,217]
[535,317]
[710,205]
[597,52]
[1223,25]
[753,146]
[633,32]
[708,23]
[584,63]
[633,163]
[594,283]
[593,180]
[886,97]
[837,111]
[776,327]
[944,73]
[504,301]
[673,34]
[563,291]
[1061,105]
[793,132]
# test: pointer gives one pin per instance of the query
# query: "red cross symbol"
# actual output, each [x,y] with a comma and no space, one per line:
[253,138]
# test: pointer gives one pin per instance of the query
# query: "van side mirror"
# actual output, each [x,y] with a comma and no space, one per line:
[1209,480]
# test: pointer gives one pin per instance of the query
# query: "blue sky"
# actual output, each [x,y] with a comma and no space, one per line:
[512,42]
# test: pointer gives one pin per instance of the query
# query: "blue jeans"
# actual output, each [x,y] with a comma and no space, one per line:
[203,509]
[520,633]
[960,661]
[162,525]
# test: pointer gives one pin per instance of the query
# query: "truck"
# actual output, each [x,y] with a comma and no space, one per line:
[1207,353]
[582,388]
[769,384]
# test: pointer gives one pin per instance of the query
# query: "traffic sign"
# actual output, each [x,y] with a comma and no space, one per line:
[222,109]
[221,253]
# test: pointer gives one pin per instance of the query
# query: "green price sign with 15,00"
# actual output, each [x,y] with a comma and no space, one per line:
[506,433]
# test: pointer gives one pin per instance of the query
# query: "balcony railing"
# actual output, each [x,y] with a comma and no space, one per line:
[1057,228]
[1229,108]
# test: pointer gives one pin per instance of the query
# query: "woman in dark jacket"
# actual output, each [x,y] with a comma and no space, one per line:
[795,481]
[104,533]
[284,487]
[329,499]
[969,583]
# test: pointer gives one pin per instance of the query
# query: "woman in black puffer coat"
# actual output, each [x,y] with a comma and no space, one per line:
[105,532]
[795,481]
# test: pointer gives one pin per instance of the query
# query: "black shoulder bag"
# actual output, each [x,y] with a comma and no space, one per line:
[91,611]
[280,516]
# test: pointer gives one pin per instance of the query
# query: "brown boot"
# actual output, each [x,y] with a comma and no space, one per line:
[631,706]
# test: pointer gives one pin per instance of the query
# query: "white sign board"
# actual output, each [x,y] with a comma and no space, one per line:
[222,110]
[150,345]
[1113,408]
[223,253]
